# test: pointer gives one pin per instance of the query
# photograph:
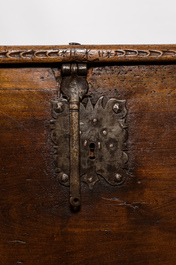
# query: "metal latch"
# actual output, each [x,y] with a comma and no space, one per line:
[90,140]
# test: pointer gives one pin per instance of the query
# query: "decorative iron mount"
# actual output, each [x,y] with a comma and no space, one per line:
[90,141]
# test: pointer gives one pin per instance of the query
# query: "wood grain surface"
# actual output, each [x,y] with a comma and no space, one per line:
[133,224]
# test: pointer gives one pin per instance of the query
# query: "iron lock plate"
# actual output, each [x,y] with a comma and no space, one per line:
[101,149]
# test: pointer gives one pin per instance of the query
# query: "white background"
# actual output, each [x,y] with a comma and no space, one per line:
[55,22]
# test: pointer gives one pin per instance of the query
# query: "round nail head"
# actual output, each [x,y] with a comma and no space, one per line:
[118,177]
[59,107]
[64,177]
[116,108]
[90,179]
[105,132]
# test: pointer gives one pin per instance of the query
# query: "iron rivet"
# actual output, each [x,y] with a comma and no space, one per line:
[116,108]
[105,132]
[85,142]
[59,107]
[80,132]
[99,145]
[118,177]
[94,120]
[90,179]
[111,145]
[64,177]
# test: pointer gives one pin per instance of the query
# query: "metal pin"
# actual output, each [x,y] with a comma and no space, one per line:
[118,177]
[105,132]
[99,145]
[59,107]
[85,142]
[64,177]
[116,107]
[94,120]
[111,145]
[52,121]
[90,179]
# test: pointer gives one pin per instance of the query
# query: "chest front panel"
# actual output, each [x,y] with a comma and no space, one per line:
[131,223]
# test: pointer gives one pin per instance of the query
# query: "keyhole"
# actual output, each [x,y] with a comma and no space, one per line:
[92,150]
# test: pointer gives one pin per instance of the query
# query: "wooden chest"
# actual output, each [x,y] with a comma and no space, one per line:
[127,163]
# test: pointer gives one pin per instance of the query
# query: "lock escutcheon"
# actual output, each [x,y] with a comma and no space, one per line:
[90,140]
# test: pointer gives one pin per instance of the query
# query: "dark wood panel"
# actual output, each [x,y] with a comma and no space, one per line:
[130,225]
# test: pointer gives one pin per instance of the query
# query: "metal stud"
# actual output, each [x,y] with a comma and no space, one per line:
[99,145]
[116,108]
[59,107]
[105,132]
[90,179]
[64,177]
[94,120]
[118,177]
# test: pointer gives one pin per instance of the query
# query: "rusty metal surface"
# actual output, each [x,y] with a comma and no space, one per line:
[103,134]
[103,137]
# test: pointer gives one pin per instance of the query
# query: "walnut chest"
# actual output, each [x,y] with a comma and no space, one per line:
[88,155]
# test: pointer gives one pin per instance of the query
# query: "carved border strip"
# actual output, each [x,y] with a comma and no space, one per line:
[82,54]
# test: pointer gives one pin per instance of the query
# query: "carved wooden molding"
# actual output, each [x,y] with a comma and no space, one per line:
[94,54]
